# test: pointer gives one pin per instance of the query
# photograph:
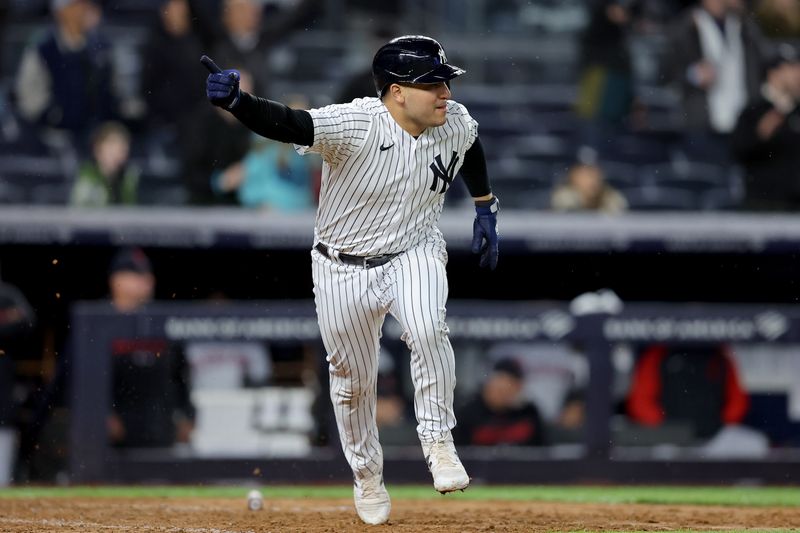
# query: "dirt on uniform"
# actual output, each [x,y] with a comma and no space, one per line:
[202,515]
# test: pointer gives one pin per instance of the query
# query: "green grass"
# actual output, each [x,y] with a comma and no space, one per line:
[746,496]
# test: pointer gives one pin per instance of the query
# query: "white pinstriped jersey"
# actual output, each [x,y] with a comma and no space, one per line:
[382,189]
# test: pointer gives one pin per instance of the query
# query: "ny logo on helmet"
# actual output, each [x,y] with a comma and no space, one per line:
[445,174]
[442,57]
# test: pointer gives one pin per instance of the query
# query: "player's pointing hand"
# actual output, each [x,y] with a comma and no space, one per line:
[222,86]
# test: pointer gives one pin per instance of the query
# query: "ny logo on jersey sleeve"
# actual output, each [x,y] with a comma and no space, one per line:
[446,175]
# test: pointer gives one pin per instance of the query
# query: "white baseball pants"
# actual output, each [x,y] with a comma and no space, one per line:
[352,303]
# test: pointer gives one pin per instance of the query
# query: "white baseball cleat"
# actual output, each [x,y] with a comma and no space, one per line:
[372,500]
[445,466]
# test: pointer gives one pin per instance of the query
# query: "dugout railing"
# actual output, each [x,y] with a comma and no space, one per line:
[94,327]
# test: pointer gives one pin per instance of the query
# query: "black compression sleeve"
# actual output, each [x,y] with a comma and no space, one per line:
[274,120]
[474,171]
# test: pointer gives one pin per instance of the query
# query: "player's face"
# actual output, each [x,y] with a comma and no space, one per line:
[131,290]
[501,391]
[112,153]
[426,103]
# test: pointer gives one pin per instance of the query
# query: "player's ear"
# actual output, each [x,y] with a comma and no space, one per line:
[395,92]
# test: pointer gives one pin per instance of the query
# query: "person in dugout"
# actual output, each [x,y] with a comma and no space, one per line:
[499,414]
[688,384]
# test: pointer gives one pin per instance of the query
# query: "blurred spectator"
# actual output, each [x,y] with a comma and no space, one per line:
[499,414]
[65,77]
[271,176]
[204,16]
[586,190]
[241,41]
[779,19]
[170,73]
[278,18]
[16,321]
[150,393]
[252,28]
[130,280]
[605,91]
[220,154]
[150,404]
[697,386]
[767,137]
[573,413]
[716,56]
[555,376]
[107,178]
[247,36]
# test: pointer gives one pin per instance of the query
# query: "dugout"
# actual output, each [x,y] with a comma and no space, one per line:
[59,257]
[603,453]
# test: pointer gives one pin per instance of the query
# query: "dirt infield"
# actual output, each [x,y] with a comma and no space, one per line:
[201,515]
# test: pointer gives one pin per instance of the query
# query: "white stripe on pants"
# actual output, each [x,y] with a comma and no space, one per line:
[351,305]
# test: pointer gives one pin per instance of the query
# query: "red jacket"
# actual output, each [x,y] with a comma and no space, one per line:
[653,381]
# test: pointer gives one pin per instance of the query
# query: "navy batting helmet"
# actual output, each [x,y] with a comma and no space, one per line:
[411,59]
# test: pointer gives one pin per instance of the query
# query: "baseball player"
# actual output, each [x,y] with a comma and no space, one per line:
[387,163]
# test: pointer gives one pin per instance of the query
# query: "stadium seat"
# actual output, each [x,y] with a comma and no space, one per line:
[165,193]
[516,168]
[692,176]
[522,184]
[27,173]
[636,148]
[11,194]
[720,199]
[560,122]
[536,200]
[543,147]
[511,177]
[649,198]
[53,194]
[619,174]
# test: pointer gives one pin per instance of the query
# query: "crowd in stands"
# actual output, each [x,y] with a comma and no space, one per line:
[678,101]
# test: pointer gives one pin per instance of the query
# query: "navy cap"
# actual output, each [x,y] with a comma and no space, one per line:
[509,366]
[131,260]
[411,59]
